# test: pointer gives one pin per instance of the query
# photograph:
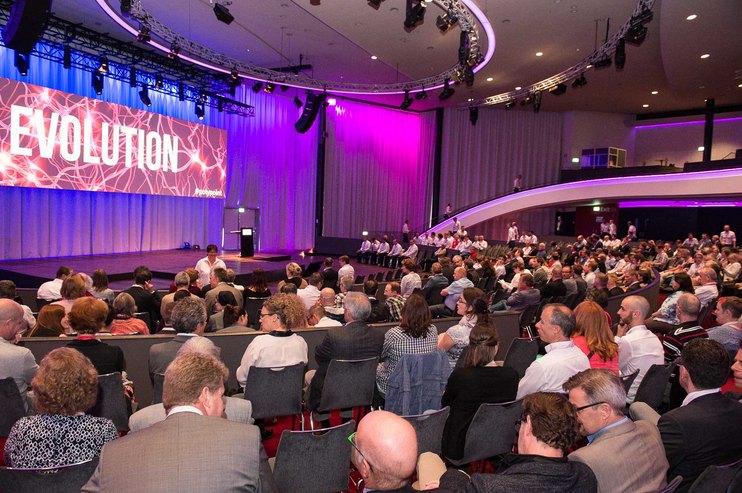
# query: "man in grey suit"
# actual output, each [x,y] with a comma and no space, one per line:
[194,449]
[219,280]
[624,455]
[189,320]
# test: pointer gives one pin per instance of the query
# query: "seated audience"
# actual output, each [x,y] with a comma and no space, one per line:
[182,282]
[473,309]
[73,288]
[49,322]
[480,380]
[562,360]
[8,291]
[594,337]
[16,362]
[310,294]
[663,320]
[257,285]
[379,310]
[124,322]
[293,276]
[415,334]
[346,285]
[317,317]
[345,268]
[451,294]
[191,438]
[188,319]
[216,321]
[100,287]
[706,288]
[145,295]
[555,287]
[52,290]
[612,285]
[65,386]
[688,328]
[235,320]
[599,399]
[434,284]
[88,317]
[219,284]
[525,296]
[729,332]
[394,301]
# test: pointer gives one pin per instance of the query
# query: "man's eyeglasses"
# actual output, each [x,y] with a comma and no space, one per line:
[352,440]
[582,408]
[266,314]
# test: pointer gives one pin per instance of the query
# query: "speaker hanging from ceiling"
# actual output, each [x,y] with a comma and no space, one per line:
[309,114]
[26,24]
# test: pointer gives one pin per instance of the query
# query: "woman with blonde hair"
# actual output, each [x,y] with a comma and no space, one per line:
[293,276]
[594,337]
[49,322]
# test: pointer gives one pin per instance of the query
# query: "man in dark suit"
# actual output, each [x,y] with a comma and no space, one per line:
[379,311]
[434,285]
[189,320]
[707,429]
[330,275]
[555,287]
[631,280]
[354,340]
[145,295]
[171,455]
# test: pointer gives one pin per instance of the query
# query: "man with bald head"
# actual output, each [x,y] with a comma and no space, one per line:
[638,348]
[327,301]
[16,362]
[385,452]
[705,285]
[451,293]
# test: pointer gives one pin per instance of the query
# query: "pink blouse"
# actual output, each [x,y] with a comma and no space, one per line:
[596,361]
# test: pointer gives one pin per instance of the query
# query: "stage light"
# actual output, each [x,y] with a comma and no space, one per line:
[464,47]
[605,62]
[200,110]
[103,64]
[527,100]
[181,91]
[126,7]
[331,101]
[132,77]
[144,95]
[558,89]
[174,51]
[473,115]
[143,34]
[222,13]
[269,87]
[298,102]
[284,88]
[21,63]
[620,54]
[374,4]
[220,105]
[257,87]
[510,104]
[97,82]
[446,21]
[642,18]
[158,81]
[537,102]
[415,14]
[421,95]
[67,57]
[447,91]
[202,96]
[234,75]
[636,35]
[579,81]
[468,76]
[407,101]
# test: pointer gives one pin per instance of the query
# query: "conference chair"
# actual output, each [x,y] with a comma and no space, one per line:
[725,478]
[521,353]
[672,485]
[417,383]
[275,392]
[628,380]
[62,479]
[429,429]
[314,461]
[111,402]
[527,316]
[253,307]
[159,379]
[652,389]
[491,433]
[348,384]
[12,405]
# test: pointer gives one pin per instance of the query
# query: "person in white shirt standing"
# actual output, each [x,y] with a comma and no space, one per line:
[345,268]
[512,234]
[206,265]
[727,237]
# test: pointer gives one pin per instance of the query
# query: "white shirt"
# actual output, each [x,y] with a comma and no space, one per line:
[405,228]
[548,373]
[328,322]
[638,350]
[396,250]
[347,270]
[50,290]
[409,283]
[205,269]
[365,246]
[411,251]
[512,233]
[727,237]
[698,393]
[308,295]
[270,350]
[384,247]
[707,292]
[184,409]
[612,228]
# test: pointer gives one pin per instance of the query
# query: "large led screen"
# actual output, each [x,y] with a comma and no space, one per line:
[52,139]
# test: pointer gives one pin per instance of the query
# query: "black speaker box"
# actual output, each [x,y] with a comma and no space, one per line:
[738,154]
[26,24]
[311,107]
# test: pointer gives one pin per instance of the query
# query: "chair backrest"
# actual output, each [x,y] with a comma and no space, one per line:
[726,478]
[12,405]
[379,276]
[275,391]
[63,479]
[348,384]
[359,279]
[652,388]
[312,268]
[159,379]
[521,353]
[314,461]
[40,303]
[435,297]
[253,307]
[492,432]
[490,284]
[147,319]
[672,485]
[706,311]
[111,402]
[628,380]
[528,314]
[389,276]
[417,383]
[429,430]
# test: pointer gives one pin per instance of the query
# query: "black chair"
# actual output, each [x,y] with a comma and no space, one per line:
[379,276]
[706,311]
[371,276]
[672,485]
[348,384]
[521,353]
[12,405]
[491,433]
[40,303]
[527,316]
[276,391]
[62,479]
[312,268]
[719,479]
[359,280]
[652,388]
[389,276]
[159,379]
[314,461]
[253,307]
[628,380]
[111,402]
[429,430]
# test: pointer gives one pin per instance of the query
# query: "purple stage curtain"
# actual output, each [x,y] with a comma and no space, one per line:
[269,166]
[378,169]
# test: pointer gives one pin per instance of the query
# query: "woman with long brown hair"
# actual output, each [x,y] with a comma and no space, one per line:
[49,322]
[473,309]
[594,337]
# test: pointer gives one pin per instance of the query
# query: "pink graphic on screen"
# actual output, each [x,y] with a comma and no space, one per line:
[52,139]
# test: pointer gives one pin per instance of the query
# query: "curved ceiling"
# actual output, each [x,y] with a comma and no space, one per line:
[338,38]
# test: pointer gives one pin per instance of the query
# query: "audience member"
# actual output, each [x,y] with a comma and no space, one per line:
[624,455]
[706,285]
[52,290]
[664,319]
[145,295]
[100,286]
[235,320]
[88,317]
[555,287]
[293,276]
[219,284]
[124,322]
[8,291]
[562,360]
[687,329]
[451,293]
[729,332]
[65,386]
[216,321]
[435,284]
[73,288]
[737,368]
[345,268]
[188,319]
[310,294]
[594,337]
[473,309]
[346,285]
[317,317]
[182,283]
[205,267]
[394,301]
[411,279]
[16,362]
[522,298]
[257,285]
[379,311]
[329,274]
[49,322]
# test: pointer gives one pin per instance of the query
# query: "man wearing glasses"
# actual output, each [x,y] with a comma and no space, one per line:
[624,455]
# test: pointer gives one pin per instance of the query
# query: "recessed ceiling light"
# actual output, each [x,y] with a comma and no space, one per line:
[374,57]
[739,85]
[518,88]
[470,100]
[490,79]
[655,92]
[540,53]
[645,106]
[691,17]
[705,55]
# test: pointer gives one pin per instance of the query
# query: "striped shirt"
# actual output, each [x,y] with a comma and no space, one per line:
[674,342]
